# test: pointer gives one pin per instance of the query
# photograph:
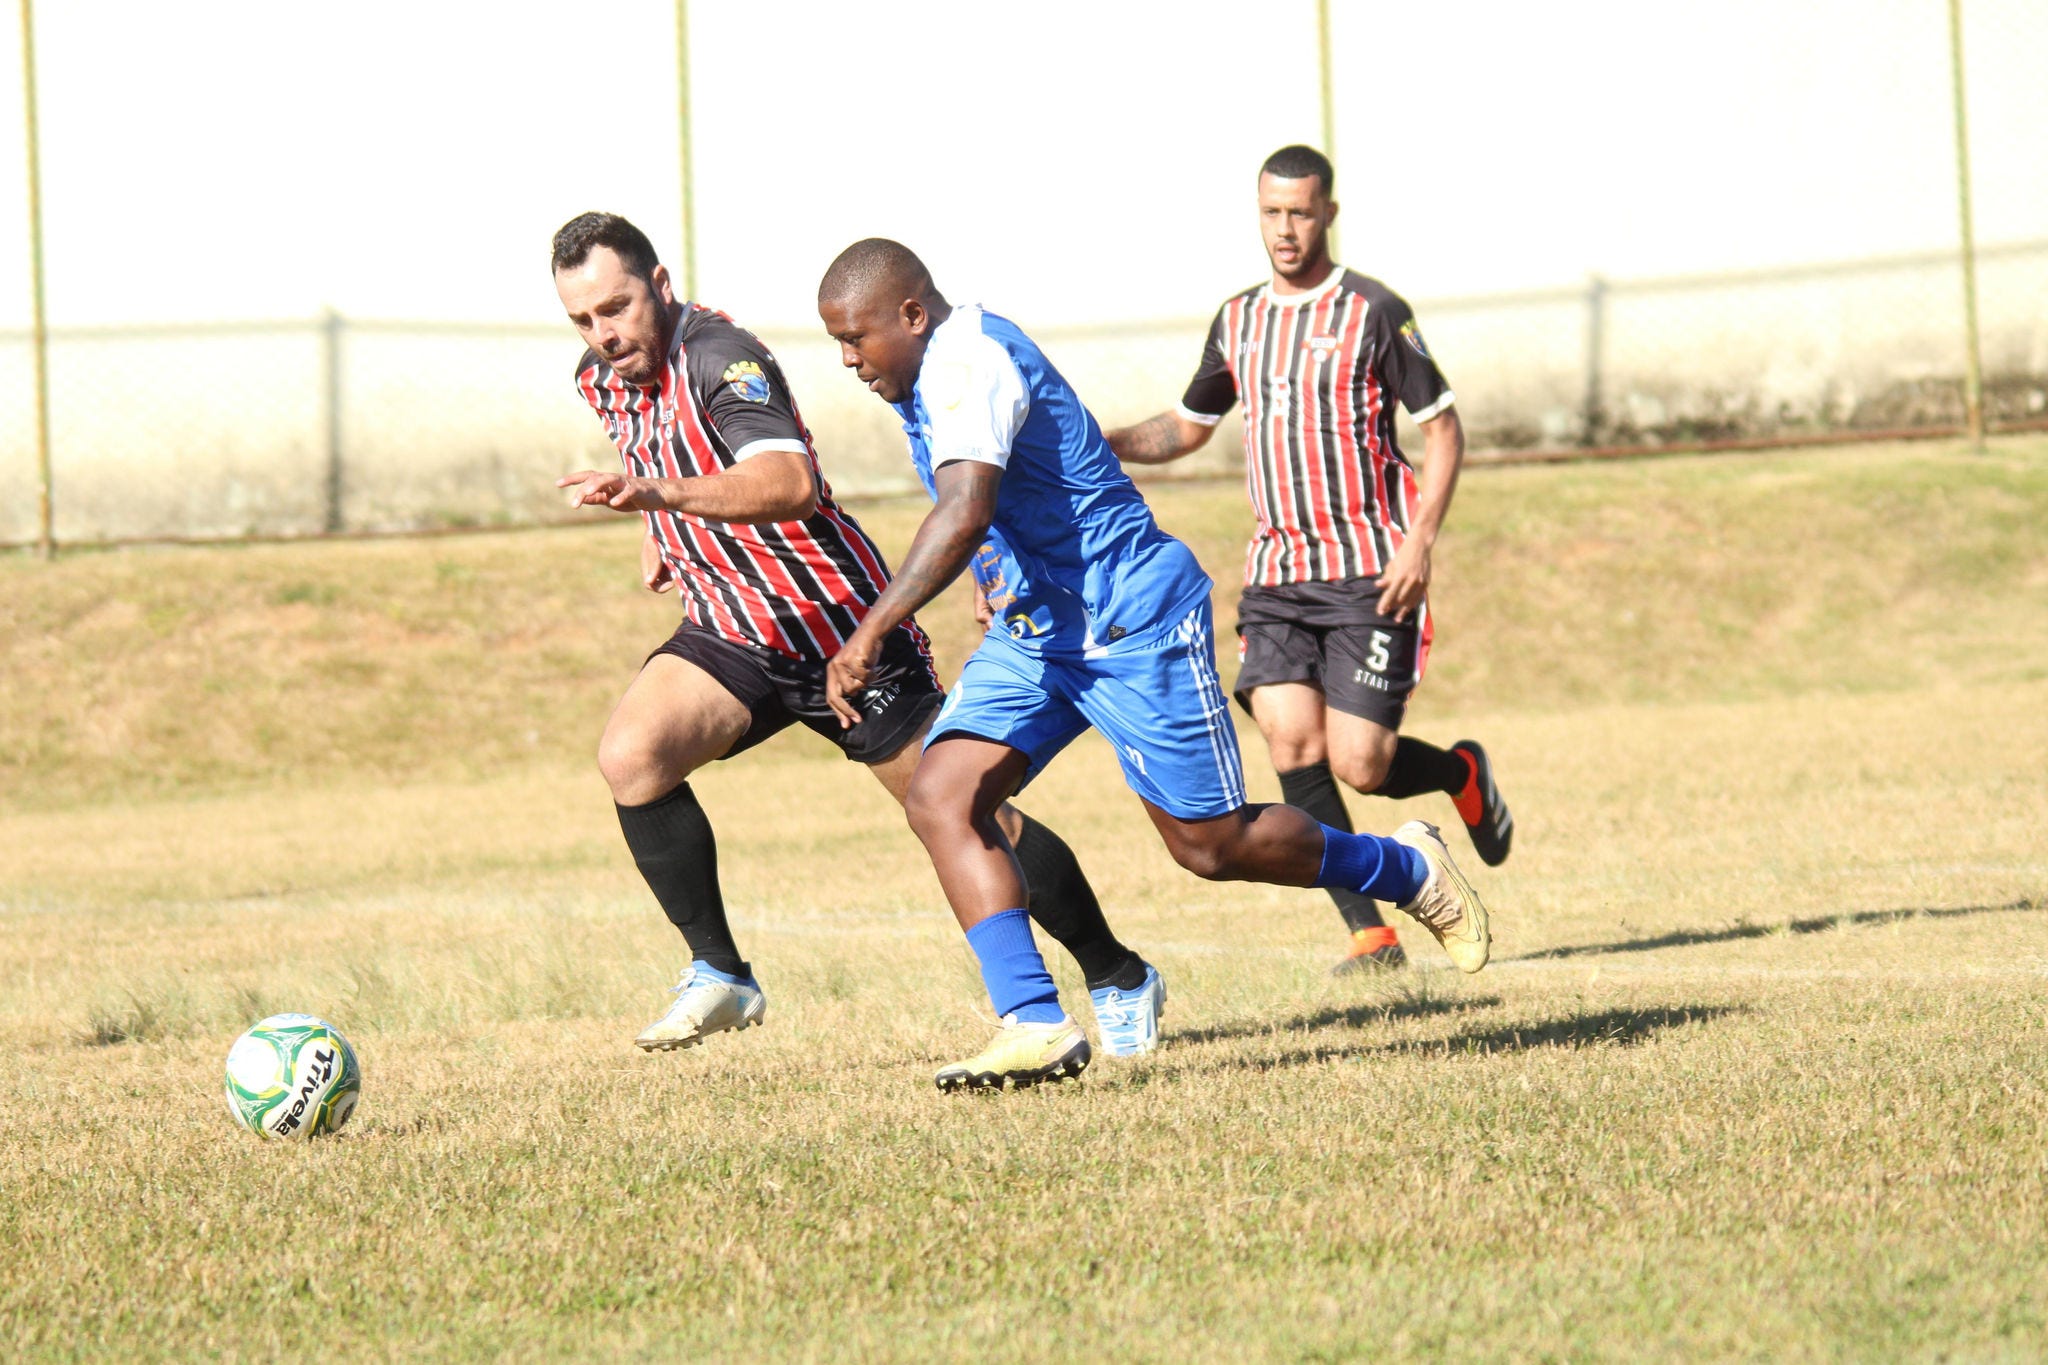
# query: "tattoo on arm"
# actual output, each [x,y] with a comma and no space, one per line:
[1152,441]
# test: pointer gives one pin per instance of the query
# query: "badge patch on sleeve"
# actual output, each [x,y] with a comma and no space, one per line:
[746,380]
[1413,336]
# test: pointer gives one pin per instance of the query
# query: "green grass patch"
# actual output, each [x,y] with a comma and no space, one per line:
[153,671]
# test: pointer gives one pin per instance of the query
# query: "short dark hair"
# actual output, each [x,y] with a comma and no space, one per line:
[577,238]
[1299,163]
[872,263]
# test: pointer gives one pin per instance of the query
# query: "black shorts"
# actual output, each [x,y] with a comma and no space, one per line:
[903,691]
[1331,636]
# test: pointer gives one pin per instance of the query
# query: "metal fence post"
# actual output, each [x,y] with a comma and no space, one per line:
[1329,100]
[689,279]
[330,399]
[1594,417]
[46,512]
[1973,364]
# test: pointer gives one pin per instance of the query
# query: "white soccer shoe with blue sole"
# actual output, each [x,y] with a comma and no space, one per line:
[1129,1020]
[704,1005]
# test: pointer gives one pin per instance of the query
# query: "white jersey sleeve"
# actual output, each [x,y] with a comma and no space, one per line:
[974,394]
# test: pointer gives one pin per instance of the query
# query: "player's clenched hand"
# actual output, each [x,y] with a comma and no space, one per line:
[846,676]
[654,569]
[1405,580]
[590,488]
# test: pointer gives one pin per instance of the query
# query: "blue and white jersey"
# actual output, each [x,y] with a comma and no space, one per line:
[1074,560]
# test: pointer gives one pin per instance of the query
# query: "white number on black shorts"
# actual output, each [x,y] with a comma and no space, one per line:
[1376,658]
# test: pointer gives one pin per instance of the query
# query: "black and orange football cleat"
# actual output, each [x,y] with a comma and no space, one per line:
[1372,950]
[1485,815]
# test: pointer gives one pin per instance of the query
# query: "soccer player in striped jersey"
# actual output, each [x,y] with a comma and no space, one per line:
[1333,627]
[774,577]
[1099,619]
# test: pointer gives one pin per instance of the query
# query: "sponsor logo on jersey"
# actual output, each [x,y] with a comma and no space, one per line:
[1412,334]
[994,584]
[747,381]
[1321,346]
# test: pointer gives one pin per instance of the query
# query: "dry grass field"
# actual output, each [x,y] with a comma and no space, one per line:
[1760,1070]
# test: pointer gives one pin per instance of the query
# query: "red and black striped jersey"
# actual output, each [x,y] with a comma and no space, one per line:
[1317,373]
[799,588]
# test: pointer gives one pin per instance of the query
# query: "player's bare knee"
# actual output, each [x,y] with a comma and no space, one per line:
[1209,859]
[630,767]
[1294,751]
[930,809]
[1365,772]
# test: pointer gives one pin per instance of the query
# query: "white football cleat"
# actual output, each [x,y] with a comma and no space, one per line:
[1129,1020]
[704,1005]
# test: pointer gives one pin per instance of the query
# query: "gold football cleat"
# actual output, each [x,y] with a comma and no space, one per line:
[1446,905]
[1021,1055]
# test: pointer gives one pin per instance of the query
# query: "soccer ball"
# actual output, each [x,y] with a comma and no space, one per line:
[292,1076]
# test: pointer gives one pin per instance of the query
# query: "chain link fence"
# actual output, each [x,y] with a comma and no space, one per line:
[337,424]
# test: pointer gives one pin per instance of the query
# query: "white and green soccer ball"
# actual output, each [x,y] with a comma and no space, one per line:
[292,1076]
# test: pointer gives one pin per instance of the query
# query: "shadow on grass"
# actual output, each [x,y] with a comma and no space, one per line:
[1681,938]
[1411,1006]
[1608,1028]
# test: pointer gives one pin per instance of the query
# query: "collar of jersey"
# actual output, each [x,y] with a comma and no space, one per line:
[1335,278]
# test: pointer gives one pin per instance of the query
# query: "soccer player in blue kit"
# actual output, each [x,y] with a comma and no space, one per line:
[1098,618]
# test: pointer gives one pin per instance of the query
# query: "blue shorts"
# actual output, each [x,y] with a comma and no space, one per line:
[1156,699]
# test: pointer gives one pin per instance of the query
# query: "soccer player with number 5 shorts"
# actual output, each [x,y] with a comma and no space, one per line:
[773,575]
[1099,618]
[1334,627]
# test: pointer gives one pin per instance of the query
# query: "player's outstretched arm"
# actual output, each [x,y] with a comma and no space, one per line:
[955,528]
[1405,581]
[1157,440]
[771,486]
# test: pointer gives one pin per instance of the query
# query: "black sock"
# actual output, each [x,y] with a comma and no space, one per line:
[1312,789]
[1064,905]
[671,841]
[1419,768]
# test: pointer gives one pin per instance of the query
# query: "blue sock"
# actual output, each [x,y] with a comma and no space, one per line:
[703,968]
[1371,866]
[1011,968]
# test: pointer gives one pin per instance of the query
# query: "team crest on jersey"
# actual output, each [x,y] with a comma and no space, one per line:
[1321,346]
[1412,334]
[746,380]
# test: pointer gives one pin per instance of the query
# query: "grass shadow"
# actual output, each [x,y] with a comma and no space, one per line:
[1620,1027]
[1415,1004]
[1607,1028]
[1683,938]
